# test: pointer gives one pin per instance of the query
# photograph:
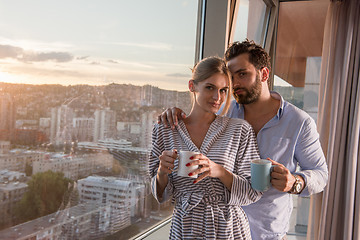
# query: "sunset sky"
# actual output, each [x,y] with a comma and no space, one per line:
[97,42]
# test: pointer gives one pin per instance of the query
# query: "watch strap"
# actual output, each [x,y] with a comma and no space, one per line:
[297,182]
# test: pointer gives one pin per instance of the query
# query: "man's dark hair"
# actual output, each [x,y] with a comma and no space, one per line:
[257,55]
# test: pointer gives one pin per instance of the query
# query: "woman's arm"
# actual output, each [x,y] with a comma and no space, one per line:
[242,193]
[166,165]
[158,172]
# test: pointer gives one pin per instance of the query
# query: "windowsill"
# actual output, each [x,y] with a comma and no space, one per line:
[157,232]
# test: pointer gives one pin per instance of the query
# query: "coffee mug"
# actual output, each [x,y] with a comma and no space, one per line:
[260,174]
[183,159]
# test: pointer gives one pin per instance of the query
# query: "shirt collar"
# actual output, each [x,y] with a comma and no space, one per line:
[273,94]
[277,96]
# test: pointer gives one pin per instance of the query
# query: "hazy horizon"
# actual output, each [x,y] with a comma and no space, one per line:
[98,43]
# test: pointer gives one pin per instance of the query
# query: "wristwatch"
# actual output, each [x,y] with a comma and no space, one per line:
[297,187]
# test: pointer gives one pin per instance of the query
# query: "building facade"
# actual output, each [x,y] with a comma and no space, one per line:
[11,193]
[75,167]
[61,125]
[105,124]
[109,191]
[7,116]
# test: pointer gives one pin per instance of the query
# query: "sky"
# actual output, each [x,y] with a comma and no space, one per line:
[95,42]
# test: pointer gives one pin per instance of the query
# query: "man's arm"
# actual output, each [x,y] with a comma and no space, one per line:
[308,153]
[171,116]
[282,179]
[311,159]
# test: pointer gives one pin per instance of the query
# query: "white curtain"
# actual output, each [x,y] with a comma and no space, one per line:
[335,213]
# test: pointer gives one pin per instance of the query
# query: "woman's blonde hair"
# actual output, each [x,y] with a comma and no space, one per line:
[207,68]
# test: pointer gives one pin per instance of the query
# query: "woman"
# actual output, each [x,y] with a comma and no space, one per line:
[210,206]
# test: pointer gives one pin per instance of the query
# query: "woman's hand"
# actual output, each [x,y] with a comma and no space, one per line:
[166,164]
[210,169]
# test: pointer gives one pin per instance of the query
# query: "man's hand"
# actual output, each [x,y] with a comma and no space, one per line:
[171,116]
[281,177]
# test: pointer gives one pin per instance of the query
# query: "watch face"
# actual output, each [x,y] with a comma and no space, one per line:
[298,188]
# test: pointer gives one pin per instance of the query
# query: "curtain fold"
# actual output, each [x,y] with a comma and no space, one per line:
[335,213]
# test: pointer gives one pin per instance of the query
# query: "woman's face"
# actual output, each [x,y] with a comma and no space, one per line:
[210,93]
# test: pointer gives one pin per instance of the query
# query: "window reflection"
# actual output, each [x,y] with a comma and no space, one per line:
[79,94]
[251,21]
[297,72]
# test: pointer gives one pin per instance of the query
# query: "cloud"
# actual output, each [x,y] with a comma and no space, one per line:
[8,51]
[113,61]
[178,75]
[82,58]
[153,45]
[131,64]
[48,56]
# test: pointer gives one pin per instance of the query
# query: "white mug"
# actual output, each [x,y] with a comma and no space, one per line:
[183,159]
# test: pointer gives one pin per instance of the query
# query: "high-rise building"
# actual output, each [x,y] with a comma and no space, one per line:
[44,126]
[148,119]
[7,116]
[113,192]
[83,129]
[61,125]
[105,124]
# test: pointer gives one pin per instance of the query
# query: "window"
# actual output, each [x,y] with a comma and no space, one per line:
[252,21]
[81,85]
[297,72]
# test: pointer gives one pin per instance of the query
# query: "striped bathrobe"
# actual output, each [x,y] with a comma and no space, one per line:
[207,209]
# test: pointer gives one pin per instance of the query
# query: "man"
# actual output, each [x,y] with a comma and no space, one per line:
[285,134]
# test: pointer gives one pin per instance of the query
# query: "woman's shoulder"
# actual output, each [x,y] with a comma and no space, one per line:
[160,128]
[235,121]
[236,125]
[163,129]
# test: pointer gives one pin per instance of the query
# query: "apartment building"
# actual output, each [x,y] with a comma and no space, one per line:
[10,194]
[114,192]
[75,167]
[84,221]
[105,124]
[7,116]
[16,160]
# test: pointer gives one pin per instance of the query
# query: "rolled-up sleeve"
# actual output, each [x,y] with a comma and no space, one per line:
[311,159]
[241,191]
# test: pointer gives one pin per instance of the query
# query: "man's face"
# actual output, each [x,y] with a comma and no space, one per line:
[246,79]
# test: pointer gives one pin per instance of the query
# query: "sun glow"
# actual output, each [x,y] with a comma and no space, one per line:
[9,78]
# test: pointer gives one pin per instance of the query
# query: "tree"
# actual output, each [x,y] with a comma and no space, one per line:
[46,193]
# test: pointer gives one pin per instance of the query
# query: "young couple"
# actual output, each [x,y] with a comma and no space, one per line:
[214,205]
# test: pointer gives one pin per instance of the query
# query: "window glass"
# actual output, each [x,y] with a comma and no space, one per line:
[297,72]
[81,85]
[251,21]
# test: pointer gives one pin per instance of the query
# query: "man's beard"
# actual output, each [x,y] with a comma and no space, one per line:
[251,95]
